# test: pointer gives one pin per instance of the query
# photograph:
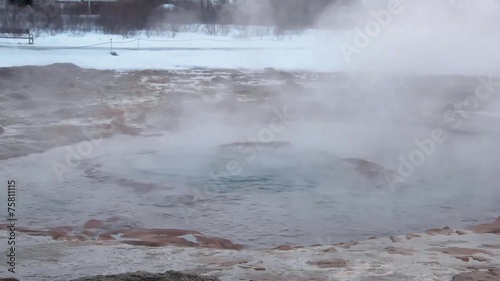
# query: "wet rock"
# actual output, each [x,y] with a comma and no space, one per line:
[284,248]
[9,279]
[141,276]
[145,233]
[138,237]
[79,238]
[93,224]
[431,263]
[480,259]
[490,275]
[412,235]
[382,275]
[493,228]
[336,263]
[347,245]
[395,239]
[400,251]
[455,251]
[59,232]
[289,248]
[106,237]
[164,237]
[88,232]
[330,250]
[465,259]
[31,232]
[218,243]
[225,261]
[440,231]
[160,242]
[461,232]
[491,246]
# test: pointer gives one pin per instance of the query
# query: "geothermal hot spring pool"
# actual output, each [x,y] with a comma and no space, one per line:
[261,158]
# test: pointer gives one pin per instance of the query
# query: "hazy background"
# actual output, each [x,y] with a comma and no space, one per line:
[425,37]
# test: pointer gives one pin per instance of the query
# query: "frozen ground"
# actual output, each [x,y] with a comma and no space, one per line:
[312,50]
[187,50]
[415,257]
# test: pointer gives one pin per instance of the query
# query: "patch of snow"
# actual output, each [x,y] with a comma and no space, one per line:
[190,238]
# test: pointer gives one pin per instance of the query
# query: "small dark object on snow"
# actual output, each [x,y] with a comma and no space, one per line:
[113,53]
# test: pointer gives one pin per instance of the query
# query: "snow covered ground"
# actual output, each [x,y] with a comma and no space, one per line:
[314,50]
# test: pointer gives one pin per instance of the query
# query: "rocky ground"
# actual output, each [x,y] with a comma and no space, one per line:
[438,254]
[46,107]
[141,276]
[42,107]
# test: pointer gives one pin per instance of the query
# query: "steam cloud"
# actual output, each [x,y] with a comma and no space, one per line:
[457,37]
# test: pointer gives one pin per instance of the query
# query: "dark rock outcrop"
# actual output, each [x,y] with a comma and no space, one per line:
[493,228]
[142,276]
[335,263]
[492,274]
[440,231]
[110,230]
[288,247]
[456,251]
